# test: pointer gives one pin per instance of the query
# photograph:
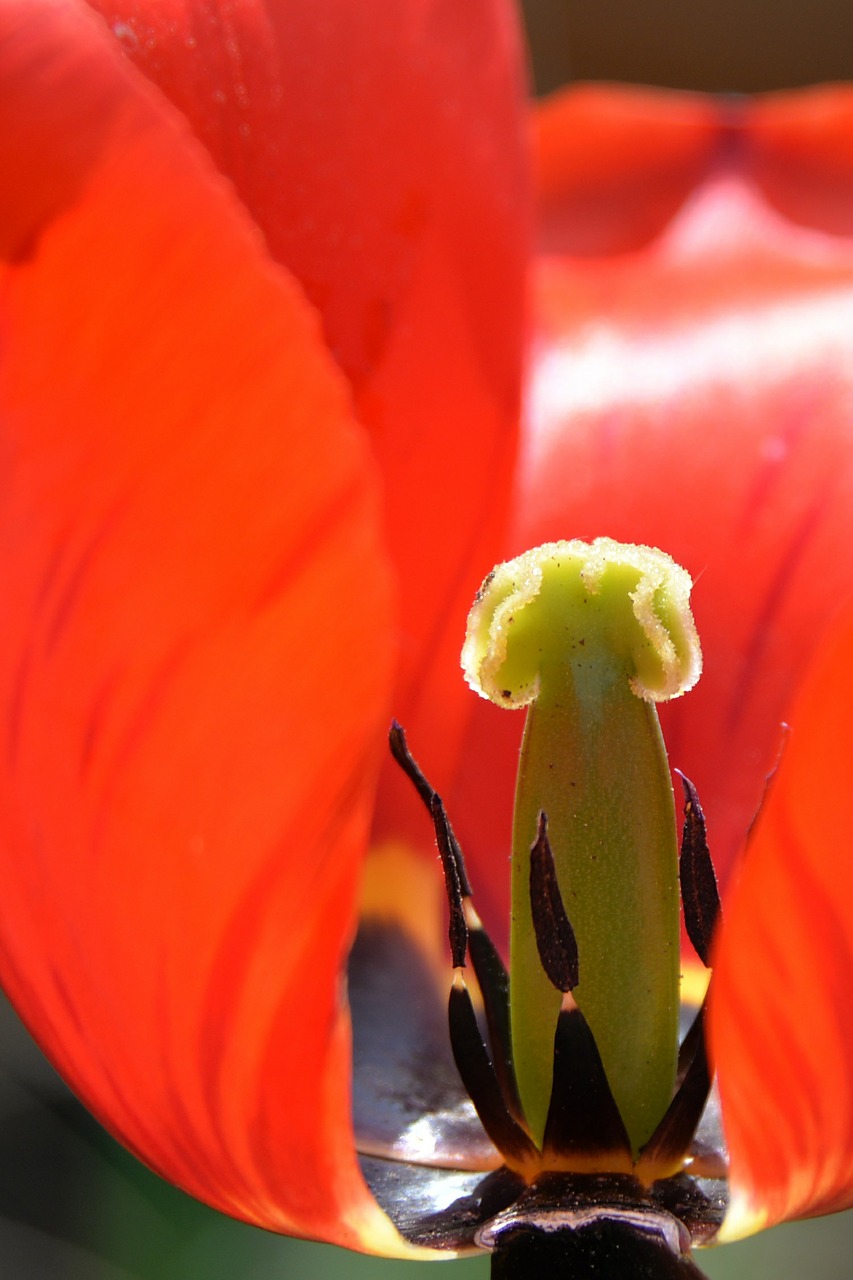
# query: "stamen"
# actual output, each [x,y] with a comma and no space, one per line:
[583,1121]
[555,937]
[466,928]
[689,1044]
[458,929]
[664,1152]
[479,1077]
[494,988]
[407,762]
[700,896]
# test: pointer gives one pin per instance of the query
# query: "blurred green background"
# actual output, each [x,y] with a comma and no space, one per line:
[73,1205]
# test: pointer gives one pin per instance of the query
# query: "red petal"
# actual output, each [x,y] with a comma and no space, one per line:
[782,1017]
[615,163]
[801,152]
[695,394]
[382,149]
[194,660]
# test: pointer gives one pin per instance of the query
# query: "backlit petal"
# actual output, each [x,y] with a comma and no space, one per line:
[381,148]
[694,393]
[782,1015]
[801,153]
[194,661]
[614,164]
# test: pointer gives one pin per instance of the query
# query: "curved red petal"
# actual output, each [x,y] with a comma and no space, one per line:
[194,662]
[695,395]
[382,150]
[782,1016]
[800,151]
[615,163]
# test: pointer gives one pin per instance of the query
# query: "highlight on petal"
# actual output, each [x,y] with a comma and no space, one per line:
[781,1015]
[194,661]
[382,150]
[694,394]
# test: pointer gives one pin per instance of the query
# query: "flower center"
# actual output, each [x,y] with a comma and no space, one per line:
[583,1072]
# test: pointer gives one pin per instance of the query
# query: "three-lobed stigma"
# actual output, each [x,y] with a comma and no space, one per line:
[588,636]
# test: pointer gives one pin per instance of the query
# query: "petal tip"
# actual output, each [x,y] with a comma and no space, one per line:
[743,1218]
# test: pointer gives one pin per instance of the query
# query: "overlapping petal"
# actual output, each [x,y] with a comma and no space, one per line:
[195,659]
[197,534]
[782,1013]
[382,150]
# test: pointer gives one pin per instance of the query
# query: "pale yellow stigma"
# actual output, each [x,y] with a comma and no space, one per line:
[636,598]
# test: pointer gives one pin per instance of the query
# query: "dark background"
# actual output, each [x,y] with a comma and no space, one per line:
[722,46]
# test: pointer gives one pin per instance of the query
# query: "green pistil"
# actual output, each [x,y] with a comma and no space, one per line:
[587,636]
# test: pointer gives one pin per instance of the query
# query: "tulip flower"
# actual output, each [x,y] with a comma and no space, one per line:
[262,332]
